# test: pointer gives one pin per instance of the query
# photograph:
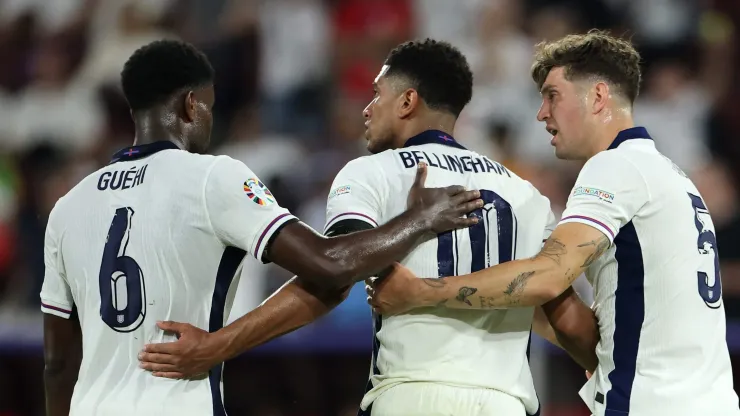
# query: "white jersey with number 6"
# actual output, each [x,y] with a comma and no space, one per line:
[159,234]
[657,290]
[467,348]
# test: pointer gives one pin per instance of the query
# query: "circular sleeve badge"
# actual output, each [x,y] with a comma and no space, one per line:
[258,192]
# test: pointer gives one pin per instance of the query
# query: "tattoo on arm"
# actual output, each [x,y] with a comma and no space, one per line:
[436,284]
[553,250]
[464,293]
[600,246]
[515,288]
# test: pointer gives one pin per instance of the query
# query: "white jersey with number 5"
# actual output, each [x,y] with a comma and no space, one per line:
[657,290]
[479,349]
[157,235]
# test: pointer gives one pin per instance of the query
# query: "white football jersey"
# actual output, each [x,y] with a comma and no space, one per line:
[159,234]
[657,290]
[469,348]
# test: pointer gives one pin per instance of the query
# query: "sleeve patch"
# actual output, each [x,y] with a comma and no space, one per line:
[586,191]
[340,190]
[258,192]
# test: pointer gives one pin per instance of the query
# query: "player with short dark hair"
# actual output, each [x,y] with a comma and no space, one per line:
[430,362]
[638,228]
[160,233]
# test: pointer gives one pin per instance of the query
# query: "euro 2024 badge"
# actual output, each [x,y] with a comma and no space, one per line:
[258,192]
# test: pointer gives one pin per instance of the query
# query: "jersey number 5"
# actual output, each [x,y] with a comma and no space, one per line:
[479,243]
[709,290]
[122,292]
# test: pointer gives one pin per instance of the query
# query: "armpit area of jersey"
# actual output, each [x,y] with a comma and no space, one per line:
[347,227]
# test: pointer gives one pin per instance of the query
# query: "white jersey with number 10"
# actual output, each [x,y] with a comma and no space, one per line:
[469,348]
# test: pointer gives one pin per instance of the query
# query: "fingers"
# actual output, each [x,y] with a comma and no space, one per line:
[162,348]
[155,358]
[467,196]
[168,374]
[157,367]
[464,222]
[468,207]
[421,176]
[171,326]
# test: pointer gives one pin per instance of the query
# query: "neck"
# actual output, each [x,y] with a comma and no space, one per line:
[153,126]
[612,124]
[436,121]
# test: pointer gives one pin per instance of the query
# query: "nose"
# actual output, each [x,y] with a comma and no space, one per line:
[367,112]
[544,112]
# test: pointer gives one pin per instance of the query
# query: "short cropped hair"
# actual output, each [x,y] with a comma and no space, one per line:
[157,71]
[595,53]
[437,70]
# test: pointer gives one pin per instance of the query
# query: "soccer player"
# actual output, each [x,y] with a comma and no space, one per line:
[159,234]
[635,224]
[435,361]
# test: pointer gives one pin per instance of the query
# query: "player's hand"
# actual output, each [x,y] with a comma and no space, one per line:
[191,356]
[442,209]
[392,294]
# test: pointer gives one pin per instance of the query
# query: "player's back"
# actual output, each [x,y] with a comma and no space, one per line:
[468,348]
[136,243]
[663,349]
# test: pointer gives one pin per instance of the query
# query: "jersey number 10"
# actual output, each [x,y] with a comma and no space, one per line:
[479,243]
[122,292]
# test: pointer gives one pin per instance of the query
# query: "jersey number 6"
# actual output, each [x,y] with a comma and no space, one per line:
[122,292]
[479,243]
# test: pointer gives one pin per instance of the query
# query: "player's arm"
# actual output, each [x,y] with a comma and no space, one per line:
[294,305]
[251,220]
[341,261]
[573,326]
[571,248]
[608,193]
[62,332]
[62,359]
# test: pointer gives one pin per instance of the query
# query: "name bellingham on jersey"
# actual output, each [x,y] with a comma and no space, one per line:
[440,345]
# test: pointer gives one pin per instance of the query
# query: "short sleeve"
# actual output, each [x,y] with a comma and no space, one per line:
[608,193]
[356,194]
[56,294]
[552,222]
[241,210]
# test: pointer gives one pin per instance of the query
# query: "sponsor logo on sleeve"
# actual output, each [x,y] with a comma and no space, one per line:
[340,190]
[593,192]
[258,192]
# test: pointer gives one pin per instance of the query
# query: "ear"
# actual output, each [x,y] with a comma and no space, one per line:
[189,106]
[407,103]
[601,97]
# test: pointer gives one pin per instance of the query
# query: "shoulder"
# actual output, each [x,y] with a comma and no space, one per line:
[609,160]
[366,168]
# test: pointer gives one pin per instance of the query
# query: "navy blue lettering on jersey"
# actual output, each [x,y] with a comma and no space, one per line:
[452,163]
[122,179]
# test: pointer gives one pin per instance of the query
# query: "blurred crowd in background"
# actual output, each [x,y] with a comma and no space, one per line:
[292,78]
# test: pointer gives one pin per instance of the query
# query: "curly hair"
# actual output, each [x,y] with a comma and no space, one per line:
[157,71]
[595,53]
[437,70]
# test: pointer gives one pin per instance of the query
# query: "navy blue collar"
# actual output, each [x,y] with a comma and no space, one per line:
[142,150]
[433,136]
[630,134]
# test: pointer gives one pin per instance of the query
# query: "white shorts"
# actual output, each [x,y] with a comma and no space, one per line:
[432,399]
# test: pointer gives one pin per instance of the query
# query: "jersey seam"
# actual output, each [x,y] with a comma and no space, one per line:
[203,196]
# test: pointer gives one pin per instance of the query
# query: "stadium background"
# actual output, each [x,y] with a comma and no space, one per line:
[292,79]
